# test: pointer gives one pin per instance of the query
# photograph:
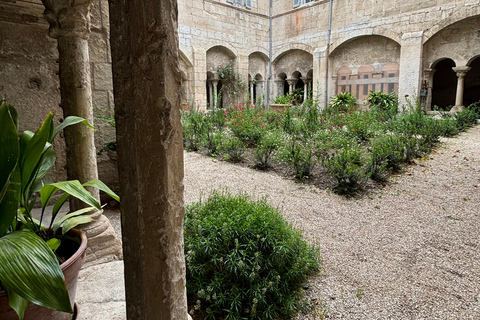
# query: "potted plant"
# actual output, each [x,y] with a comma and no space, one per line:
[31,251]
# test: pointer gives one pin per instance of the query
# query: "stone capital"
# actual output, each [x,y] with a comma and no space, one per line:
[461,71]
[429,72]
[306,80]
[68,18]
[292,82]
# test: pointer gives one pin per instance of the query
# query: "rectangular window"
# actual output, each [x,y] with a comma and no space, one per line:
[246,3]
[373,87]
[365,89]
[358,90]
[391,87]
[391,75]
[365,76]
[344,77]
[297,3]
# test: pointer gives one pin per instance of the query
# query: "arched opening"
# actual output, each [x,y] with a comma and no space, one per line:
[444,84]
[257,89]
[298,87]
[284,88]
[472,83]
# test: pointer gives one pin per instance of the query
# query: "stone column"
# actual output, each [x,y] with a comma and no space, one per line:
[252,97]
[70,25]
[410,67]
[210,92]
[259,89]
[291,83]
[306,88]
[320,77]
[146,78]
[279,85]
[461,73]
[215,93]
[428,75]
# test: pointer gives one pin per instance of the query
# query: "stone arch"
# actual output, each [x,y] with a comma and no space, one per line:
[293,60]
[187,78]
[218,56]
[458,15]
[472,82]
[281,84]
[284,49]
[366,57]
[360,33]
[257,65]
[444,83]
[457,41]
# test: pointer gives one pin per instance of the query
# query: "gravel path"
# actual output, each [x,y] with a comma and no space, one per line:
[408,251]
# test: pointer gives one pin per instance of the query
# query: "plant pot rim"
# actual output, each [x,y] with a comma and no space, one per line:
[83,245]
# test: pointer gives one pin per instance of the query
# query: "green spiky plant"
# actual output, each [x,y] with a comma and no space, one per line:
[29,269]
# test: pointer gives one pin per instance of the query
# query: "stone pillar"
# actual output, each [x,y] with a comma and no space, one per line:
[146,80]
[461,73]
[70,25]
[320,77]
[259,89]
[306,88]
[210,92]
[279,85]
[252,96]
[410,67]
[291,83]
[215,93]
[428,75]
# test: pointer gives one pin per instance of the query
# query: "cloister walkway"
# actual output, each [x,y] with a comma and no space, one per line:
[408,251]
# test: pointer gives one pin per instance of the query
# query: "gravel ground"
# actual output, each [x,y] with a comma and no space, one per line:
[407,251]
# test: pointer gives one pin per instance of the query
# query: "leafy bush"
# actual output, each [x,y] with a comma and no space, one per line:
[475,107]
[385,104]
[346,167]
[266,149]
[388,150]
[213,142]
[247,123]
[465,119]
[194,129]
[243,260]
[343,102]
[300,155]
[233,149]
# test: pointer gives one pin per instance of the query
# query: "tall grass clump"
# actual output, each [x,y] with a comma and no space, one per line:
[243,260]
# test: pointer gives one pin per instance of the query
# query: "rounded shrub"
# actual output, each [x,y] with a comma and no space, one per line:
[243,260]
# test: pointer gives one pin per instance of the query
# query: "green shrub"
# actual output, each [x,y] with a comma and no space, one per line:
[300,156]
[265,150]
[475,107]
[382,103]
[342,103]
[248,123]
[243,260]
[465,119]
[233,149]
[213,142]
[388,150]
[345,166]
[194,129]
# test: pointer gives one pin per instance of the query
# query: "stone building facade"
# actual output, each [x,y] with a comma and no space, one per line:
[361,46]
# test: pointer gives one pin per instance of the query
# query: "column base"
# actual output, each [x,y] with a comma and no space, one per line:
[103,244]
[457,109]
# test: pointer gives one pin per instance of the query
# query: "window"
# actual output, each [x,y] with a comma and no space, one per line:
[246,3]
[297,3]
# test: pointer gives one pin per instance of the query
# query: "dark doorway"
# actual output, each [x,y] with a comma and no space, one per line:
[444,86]
[472,84]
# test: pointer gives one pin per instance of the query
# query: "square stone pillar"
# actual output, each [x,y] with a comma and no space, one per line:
[146,80]
[410,68]
[320,77]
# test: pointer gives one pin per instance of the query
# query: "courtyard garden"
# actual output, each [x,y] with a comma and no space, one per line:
[347,148]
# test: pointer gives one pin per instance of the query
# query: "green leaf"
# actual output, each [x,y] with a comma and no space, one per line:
[57,224]
[17,303]
[31,156]
[71,120]
[103,187]
[75,221]
[29,268]
[75,189]
[9,148]
[46,193]
[9,204]
[59,204]
[54,243]
[48,161]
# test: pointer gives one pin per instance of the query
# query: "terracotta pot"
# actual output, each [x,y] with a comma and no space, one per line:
[75,247]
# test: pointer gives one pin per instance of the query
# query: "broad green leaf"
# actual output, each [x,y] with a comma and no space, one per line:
[71,120]
[103,187]
[75,221]
[29,268]
[31,157]
[9,204]
[9,148]
[75,189]
[46,193]
[57,224]
[17,303]
[13,114]
[59,204]
[48,161]
[53,244]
